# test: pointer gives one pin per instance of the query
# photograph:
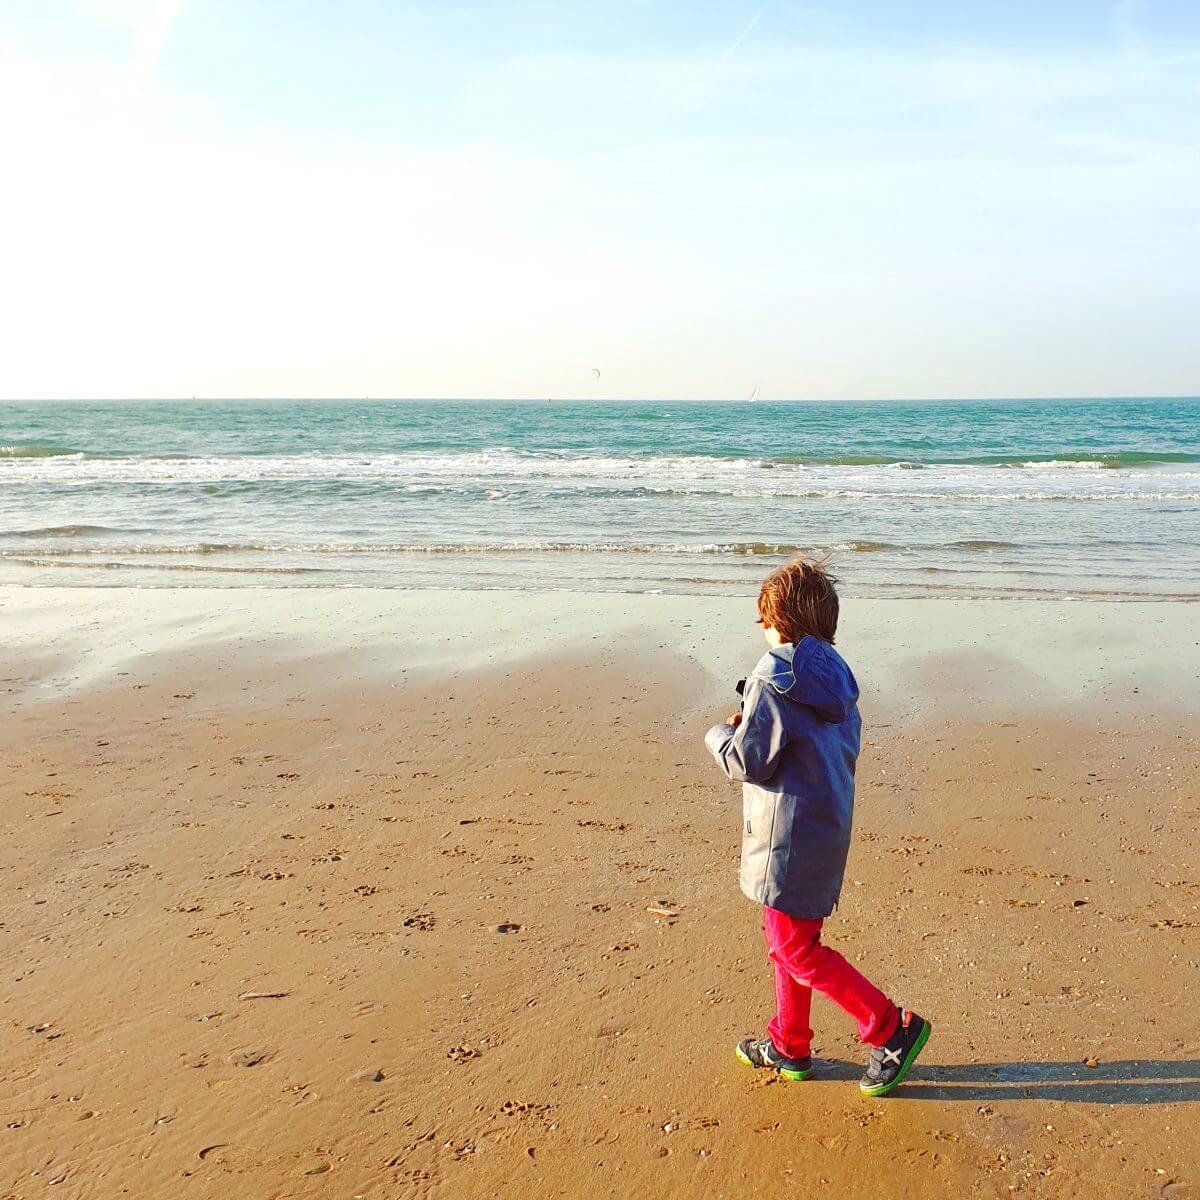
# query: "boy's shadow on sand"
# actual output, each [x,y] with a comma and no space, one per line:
[1130,1081]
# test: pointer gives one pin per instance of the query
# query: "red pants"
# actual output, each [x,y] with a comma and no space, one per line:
[803,963]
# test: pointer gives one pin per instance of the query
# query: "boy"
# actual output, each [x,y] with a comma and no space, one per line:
[793,747]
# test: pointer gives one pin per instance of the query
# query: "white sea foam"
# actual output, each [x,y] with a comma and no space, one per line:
[530,546]
[498,470]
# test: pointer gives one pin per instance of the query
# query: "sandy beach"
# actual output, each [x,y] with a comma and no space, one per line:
[342,893]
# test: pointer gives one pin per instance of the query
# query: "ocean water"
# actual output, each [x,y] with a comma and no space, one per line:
[1046,498]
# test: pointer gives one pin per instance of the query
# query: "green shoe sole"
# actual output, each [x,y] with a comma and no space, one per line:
[793,1076]
[909,1059]
[796,1076]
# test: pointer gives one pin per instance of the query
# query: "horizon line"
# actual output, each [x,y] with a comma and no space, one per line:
[368,399]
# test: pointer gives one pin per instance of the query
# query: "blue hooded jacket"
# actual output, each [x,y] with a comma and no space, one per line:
[794,753]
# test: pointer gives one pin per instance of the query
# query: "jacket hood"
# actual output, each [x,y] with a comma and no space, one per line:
[812,673]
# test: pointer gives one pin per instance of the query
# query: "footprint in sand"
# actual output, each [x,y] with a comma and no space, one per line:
[519,1108]
[247,1056]
[620,948]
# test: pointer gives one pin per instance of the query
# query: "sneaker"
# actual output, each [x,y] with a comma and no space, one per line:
[890,1063]
[762,1053]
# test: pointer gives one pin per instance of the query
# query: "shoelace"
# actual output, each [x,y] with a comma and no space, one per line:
[767,1052]
[881,1058]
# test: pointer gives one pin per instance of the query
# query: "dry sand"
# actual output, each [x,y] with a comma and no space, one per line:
[337,894]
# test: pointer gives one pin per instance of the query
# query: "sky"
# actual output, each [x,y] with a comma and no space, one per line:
[871,198]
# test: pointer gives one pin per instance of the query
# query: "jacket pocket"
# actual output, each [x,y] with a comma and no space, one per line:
[758,813]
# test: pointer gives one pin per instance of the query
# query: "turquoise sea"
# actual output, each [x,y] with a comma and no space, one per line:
[1043,498]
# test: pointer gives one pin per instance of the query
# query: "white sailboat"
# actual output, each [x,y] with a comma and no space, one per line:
[753,395]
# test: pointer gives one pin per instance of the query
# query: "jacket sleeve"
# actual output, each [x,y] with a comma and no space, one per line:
[750,753]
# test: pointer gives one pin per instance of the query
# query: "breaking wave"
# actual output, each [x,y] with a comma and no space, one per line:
[1144,477]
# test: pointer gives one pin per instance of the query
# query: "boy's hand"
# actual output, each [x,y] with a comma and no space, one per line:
[735,720]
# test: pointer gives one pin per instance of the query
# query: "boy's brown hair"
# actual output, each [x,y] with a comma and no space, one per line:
[800,599]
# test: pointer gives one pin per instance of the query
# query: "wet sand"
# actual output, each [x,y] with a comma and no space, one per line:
[336,894]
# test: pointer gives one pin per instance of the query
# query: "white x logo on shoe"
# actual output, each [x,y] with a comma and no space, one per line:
[891,1056]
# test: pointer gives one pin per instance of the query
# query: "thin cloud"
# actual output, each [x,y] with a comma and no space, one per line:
[704,81]
[152,33]
[732,49]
